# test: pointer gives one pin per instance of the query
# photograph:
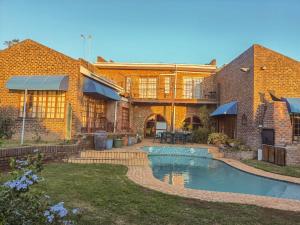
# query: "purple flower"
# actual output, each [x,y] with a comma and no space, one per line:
[50,218]
[59,209]
[75,211]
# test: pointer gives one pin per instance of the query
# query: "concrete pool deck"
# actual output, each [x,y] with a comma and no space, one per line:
[140,173]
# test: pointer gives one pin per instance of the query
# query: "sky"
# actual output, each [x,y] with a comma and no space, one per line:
[155,31]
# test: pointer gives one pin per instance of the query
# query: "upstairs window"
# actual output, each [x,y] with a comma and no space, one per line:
[43,104]
[128,84]
[167,85]
[147,87]
[192,87]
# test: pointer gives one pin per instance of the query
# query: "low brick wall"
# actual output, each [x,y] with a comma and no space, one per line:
[293,154]
[240,155]
[50,153]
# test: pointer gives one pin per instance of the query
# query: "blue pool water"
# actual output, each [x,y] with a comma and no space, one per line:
[194,168]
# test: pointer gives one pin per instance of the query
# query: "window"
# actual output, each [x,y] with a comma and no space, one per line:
[93,113]
[128,84]
[167,85]
[192,87]
[147,88]
[43,104]
[125,119]
[296,127]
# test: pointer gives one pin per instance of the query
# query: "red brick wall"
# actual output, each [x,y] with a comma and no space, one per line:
[32,58]
[269,70]
[236,85]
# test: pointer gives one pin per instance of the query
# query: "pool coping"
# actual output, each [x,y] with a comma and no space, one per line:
[142,175]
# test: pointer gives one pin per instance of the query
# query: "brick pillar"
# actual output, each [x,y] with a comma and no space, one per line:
[277,117]
[282,124]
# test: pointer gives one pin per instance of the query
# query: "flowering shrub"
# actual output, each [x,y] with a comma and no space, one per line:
[217,139]
[21,205]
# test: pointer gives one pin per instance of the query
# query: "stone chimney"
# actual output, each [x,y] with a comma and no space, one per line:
[100,59]
[213,62]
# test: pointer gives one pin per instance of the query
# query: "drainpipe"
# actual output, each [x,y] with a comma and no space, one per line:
[115,120]
[24,115]
[174,97]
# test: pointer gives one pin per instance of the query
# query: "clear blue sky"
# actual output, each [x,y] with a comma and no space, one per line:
[171,31]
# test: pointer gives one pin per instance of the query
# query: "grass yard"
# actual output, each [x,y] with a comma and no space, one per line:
[293,171]
[108,197]
[4,143]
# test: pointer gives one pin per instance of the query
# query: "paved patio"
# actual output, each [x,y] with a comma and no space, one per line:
[140,173]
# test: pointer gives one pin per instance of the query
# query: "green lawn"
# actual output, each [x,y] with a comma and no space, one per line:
[108,197]
[4,143]
[293,171]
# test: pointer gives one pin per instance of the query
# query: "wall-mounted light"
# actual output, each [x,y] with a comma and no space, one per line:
[245,69]
[263,68]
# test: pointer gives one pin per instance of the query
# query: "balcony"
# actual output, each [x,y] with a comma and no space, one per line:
[163,98]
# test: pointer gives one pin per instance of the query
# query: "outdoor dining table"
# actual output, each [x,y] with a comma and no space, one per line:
[174,136]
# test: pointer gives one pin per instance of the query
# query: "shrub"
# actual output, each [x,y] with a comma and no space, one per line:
[217,138]
[200,135]
[237,145]
[6,127]
[234,142]
[20,205]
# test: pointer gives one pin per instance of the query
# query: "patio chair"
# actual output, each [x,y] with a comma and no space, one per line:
[179,137]
[158,136]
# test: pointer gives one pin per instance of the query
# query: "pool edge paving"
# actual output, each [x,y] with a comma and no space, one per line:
[142,175]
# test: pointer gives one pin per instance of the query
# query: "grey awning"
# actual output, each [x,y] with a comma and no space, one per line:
[94,87]
[38,82]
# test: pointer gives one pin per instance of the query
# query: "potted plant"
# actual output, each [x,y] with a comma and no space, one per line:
[118,142]
[125,140]
[109,141]
[131,139]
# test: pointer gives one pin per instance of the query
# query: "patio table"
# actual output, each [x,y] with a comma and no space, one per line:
[174,136]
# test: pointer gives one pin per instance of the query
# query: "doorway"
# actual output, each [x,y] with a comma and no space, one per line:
[154,124]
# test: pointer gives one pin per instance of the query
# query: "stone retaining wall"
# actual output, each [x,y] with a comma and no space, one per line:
[50,153]
[240,155]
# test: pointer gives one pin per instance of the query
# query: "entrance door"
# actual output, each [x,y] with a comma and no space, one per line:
[155,124]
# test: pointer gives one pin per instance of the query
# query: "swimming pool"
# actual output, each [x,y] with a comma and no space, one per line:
[194,168]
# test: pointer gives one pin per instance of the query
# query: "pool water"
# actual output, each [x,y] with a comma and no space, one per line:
[194,168]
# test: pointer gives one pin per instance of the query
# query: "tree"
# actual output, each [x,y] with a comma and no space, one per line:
[11,42]
[204,115]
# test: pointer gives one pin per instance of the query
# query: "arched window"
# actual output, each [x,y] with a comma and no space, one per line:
[192,123]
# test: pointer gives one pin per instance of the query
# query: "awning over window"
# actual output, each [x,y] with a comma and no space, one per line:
[33,82]
[93,87]
[226,109]
[293,104]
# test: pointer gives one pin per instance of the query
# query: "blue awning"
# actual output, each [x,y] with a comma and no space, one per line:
[34,82]
[293,104]
[226,109]
[94,87]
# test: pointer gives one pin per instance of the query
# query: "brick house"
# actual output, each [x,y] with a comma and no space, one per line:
[64,96]
[259,92]
[163,96]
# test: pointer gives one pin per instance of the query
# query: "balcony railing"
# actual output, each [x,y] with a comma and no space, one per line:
[162,97]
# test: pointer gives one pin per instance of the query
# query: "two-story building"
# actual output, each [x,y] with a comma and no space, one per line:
[163,96]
